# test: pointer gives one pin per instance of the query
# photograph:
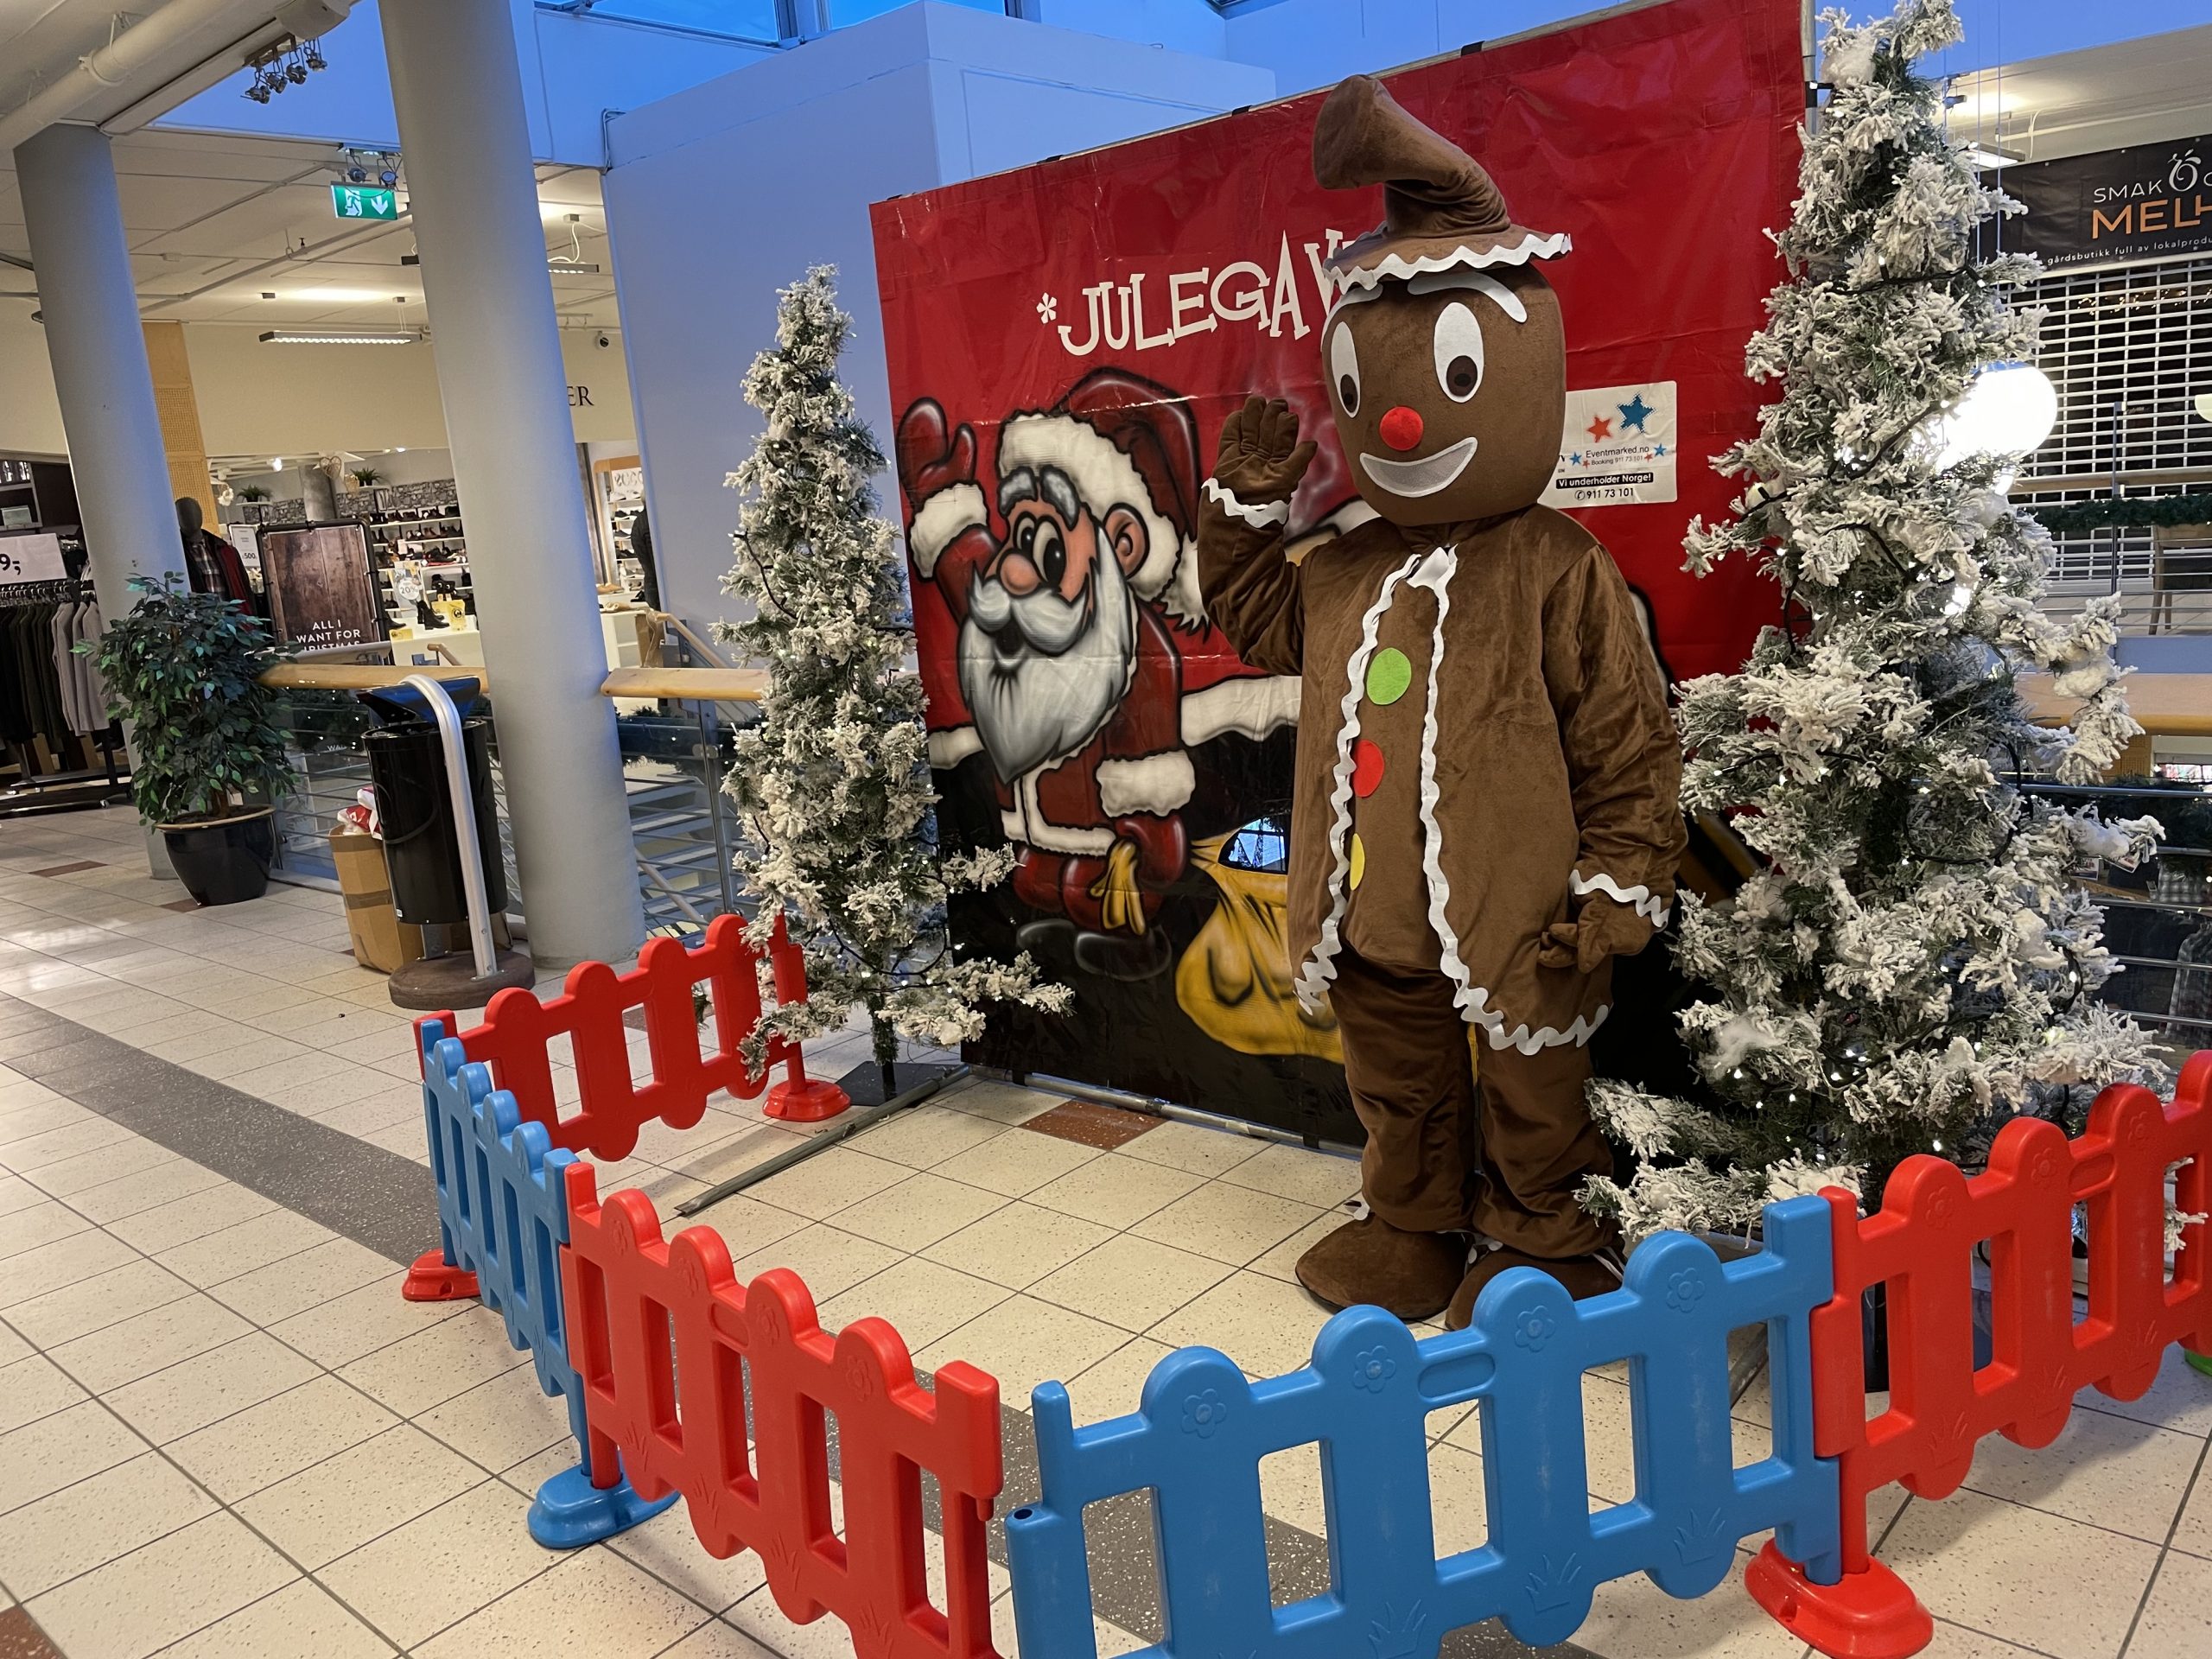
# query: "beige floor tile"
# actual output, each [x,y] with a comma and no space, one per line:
[1116,1191]
[717,1640]
[1267,1325]
[2180,1399]
[1633,1618]
[166,1590]
[361,1321]
[1456,1499]
[1989,1564]
[151,1342]
[497,1423]
[107,1299]
[918,1212]
[220,1257]
[430,1367]
[746,1225]
[24,1114]
[12,1346]
[1200,1151]
[1019,1244]
[443,1565]
[1016,1165]
[377,1112]
[27,1154]
[211,1209]
[209,1387]
[16,1193]
[927,1135]
[278,1437]
[828,1260]
[294,1284]
[630,1614]
[820,1187]
[758,1619]
[133,1195]
[667,1548]
[2177,1615]
[1023,1342]
[300,1621]
[89,1524]
[922,1300]
[1130,1281]
[325,1511]
[1230,1224]
[1115,1386]
[33,1387]
[65,1263]
[1002,1102]
[38,1223]
[2110,1472]
[238,1056]
[313,1096]
[1290,1488]
[2193,1532]
[1321,1179]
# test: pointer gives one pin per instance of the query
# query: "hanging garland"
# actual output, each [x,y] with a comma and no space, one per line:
[2129,511]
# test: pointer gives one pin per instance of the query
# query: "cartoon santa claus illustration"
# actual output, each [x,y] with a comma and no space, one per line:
[1085,671]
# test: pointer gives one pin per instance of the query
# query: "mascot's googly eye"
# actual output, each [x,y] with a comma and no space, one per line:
[1458,353]
[1344,368]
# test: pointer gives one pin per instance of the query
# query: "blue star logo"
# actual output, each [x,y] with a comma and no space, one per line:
[1657,450]
[1574,461]
[1634,413]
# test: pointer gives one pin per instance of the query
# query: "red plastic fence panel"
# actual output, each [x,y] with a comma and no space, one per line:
[1922,1245]
[519,1030]
[672,1347]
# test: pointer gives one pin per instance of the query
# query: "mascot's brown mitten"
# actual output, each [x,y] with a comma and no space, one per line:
[1483,811]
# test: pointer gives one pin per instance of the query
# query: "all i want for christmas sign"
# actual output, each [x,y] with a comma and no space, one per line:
[1086,324]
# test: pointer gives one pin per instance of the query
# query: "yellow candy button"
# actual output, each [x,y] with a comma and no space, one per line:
[1358,858]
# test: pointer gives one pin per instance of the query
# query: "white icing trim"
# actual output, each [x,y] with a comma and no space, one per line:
[1266,516]
[1104,477]
[1158,784]
[941,520]
[1398,268]
[1435,573]
[1252,705]
[1640,898]
[1319,966]
[949,748]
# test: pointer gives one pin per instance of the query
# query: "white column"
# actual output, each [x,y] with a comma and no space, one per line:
[90,308]
[457,88]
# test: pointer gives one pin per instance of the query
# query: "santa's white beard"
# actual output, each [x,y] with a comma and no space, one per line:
[1039,677]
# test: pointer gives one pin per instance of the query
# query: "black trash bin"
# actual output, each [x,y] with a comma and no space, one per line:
[408,769]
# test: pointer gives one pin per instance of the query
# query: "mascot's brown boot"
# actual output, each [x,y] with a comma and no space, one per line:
[1584,1276]
[1410,1274]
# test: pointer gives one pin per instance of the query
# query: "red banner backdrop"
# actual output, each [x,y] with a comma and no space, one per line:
[1139,293]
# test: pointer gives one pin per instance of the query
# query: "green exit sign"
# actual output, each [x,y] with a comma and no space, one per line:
[364,201]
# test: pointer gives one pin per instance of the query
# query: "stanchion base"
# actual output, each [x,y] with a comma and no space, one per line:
[2198,1361]
[570,1512]
[1869,1615]
[438,984]
[806,1102]
[433,1278]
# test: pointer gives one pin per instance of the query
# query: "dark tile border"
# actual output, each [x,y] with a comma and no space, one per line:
[1089,1123]
[69,869]
[375,1198]
[21,1637]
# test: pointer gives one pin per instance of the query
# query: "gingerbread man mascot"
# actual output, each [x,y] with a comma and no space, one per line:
[1484,807]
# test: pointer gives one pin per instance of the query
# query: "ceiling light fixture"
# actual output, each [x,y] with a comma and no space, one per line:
[321,337]
[1987,157]
[286,62]
[572,268]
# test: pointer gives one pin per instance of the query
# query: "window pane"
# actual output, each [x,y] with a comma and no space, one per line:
[852,11]
[751,19]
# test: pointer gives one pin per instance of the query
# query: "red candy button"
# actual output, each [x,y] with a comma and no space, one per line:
[1366,768]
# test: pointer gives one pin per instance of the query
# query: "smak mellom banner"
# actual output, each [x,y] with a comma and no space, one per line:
[1087,323]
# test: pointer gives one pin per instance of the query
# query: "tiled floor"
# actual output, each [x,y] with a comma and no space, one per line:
[223,1434]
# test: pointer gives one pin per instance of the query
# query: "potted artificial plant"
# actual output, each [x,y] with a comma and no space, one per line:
[184,670]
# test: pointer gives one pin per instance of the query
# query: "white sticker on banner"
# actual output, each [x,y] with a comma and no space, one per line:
[1617,447]
[30,558]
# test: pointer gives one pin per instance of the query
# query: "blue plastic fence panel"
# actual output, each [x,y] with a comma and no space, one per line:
[503,1208]
[1197,1440]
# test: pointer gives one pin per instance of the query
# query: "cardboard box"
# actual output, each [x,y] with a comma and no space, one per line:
[381,940]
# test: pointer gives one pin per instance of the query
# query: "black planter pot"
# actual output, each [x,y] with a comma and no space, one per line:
[224,861]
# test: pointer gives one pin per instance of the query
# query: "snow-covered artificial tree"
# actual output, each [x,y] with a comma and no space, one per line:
[834,778]
[1910,966]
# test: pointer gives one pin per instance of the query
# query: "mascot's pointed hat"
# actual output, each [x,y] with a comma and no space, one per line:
[1441,211]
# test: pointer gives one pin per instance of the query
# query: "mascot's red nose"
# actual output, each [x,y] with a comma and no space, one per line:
[1401,427]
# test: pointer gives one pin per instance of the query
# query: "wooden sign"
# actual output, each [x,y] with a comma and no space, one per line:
[322,592]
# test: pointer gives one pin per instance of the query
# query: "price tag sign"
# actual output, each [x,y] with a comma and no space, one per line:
[30,558]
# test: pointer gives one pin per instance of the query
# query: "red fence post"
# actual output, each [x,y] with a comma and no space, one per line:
[798,1098]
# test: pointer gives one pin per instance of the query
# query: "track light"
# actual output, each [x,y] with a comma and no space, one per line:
[324,337]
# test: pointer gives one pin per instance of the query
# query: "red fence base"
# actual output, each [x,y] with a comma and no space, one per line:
[433,1278]
[1867,1615]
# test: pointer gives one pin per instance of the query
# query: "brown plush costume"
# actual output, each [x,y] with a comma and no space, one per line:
[1484,807]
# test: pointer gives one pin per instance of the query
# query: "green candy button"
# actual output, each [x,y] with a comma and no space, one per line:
[1389,675]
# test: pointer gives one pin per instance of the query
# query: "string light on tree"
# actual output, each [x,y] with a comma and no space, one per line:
[1889,979]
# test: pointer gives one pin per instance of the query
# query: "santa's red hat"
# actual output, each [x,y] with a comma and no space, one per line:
[1123,441]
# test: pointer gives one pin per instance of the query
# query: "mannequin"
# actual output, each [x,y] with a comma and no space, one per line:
[212,565]
[1484,805]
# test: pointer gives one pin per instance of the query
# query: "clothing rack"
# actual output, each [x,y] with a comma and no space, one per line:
[35,791]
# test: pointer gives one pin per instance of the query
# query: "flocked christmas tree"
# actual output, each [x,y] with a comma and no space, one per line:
[835,780]
[1909,967]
